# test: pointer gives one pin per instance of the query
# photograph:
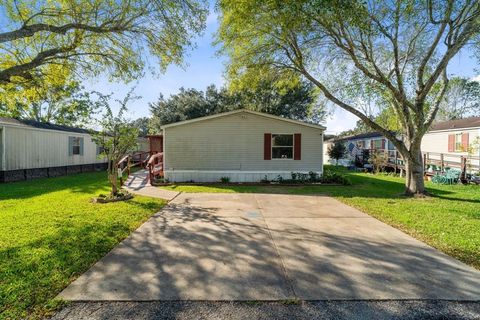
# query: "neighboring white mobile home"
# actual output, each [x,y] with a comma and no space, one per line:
[454,139]
[243,145]
[31,149]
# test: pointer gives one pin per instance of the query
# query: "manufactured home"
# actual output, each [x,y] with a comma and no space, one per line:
[357,144]
[450,141]
[449,144]
[454,136]
[31,149]
[243,145]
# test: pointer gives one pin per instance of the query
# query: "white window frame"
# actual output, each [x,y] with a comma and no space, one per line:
[458,146]
[375,144]
[292,146]
[79,139]
[360,144]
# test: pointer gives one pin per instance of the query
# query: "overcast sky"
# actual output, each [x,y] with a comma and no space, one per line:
[204,67]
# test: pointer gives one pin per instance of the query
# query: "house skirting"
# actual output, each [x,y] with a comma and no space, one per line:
[234,175]
[29,174]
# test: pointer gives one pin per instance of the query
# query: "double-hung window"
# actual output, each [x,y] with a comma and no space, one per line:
[377,144]
[458,143]
[282,146]
[75,146]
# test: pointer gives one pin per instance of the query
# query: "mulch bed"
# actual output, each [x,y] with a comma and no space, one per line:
[108,199]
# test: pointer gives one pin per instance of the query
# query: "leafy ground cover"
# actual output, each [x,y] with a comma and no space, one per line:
[50,233]
[449,220]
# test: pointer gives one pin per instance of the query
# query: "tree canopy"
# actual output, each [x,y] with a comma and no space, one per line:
[337,151]
[88,37]
[360,54]
[47,46]
[462,100]
[143,125]
[294,101]
[62,102]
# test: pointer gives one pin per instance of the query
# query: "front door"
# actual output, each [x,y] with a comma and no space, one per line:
[156,144]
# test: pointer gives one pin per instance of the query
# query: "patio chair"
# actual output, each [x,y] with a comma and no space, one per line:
[475,179]
[452,176]
[439,178]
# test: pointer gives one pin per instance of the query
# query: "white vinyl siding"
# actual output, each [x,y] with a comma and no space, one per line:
[437,141]
[29,148]
[2,149]
[236,143]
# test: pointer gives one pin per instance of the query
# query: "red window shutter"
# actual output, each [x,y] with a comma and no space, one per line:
[465,141]
[383,143]
[297,146]
[372,144]
[451,143]
[267,146]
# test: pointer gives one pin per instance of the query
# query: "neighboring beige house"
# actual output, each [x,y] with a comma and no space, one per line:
[243,145]
[453,139]
[31,149]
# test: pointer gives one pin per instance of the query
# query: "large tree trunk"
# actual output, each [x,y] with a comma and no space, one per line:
[414,183]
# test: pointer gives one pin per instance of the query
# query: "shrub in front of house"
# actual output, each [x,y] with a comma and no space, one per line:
[225,180]
[328,177]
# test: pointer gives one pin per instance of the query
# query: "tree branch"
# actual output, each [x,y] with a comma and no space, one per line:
[30,30]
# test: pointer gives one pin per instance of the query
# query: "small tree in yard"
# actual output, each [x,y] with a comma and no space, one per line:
[115,139]
[337,151]
[377,160]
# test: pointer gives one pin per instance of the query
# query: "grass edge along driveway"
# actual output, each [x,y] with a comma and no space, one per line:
[50,233]
[448,221]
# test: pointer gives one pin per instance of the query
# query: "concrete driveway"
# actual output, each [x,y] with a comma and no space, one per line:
[271,247]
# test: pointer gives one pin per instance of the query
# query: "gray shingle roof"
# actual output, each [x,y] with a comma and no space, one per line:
[472,122]
[362,136]
[43,125]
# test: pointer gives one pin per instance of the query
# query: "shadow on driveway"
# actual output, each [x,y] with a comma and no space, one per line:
[208,247]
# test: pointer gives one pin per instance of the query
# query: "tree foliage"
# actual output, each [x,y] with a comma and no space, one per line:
[337,150]
[295,102]
[63,102]
[116,137]
[88,37]
[462,100]
[360,54]
[143,125]
[360,127]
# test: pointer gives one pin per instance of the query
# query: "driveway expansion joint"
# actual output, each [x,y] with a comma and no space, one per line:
[282,263]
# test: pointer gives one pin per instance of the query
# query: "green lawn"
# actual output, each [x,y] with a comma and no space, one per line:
[50,233]
[449,221]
